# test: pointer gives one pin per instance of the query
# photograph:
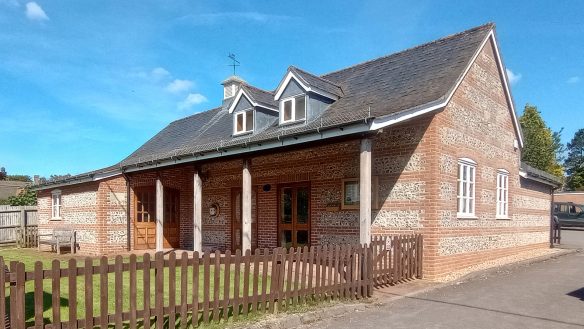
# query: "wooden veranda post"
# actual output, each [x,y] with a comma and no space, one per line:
[246,208]
[159,215]
[365,192]
[197,211]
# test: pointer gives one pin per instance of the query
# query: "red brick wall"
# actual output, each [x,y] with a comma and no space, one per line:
[575,197]
[93,210]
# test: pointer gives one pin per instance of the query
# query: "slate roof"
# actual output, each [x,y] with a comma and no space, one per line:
[260,96]
[540,174]
[387,85]
[409,78]
[317,82]
[382,86]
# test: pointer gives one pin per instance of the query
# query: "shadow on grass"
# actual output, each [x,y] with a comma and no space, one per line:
[29,306]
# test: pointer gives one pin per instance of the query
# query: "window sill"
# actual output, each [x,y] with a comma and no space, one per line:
[503,218]
[243,133]
[289,123]
[466,216]
[56,219]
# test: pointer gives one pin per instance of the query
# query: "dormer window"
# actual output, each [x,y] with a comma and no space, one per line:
[243,122]
[293,109]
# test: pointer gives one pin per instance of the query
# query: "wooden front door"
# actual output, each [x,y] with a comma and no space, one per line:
[294,215]
[171,218]
[236,205]
[145,218]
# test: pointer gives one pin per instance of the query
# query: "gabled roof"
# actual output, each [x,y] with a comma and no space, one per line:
[411,78]
[368,96]
[256,96]
[309,82]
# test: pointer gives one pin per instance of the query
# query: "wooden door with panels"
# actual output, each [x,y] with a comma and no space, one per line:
[171,218]
[236,216]
[294,215]
[145,218]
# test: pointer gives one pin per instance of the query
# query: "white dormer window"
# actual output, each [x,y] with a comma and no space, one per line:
[293,109]
[243,122]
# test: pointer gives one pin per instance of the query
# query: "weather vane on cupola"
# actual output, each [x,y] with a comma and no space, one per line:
[235,62]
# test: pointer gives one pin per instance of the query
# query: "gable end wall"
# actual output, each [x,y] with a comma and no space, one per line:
[478,124]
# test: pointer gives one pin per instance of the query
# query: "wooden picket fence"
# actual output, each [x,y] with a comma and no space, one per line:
[184,291]
[13,218]
[396,258]
[188,289]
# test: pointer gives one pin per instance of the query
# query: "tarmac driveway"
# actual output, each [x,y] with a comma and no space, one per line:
[548,294]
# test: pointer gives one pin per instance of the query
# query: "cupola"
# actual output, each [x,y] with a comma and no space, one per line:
[231,85]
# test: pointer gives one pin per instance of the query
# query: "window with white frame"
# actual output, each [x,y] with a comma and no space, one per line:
[243,122]
[502,193]
[466,188]
[56,204]
[293,109]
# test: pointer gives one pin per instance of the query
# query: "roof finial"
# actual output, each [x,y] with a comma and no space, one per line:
[235,62]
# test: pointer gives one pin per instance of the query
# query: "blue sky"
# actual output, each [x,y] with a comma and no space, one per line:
[84,83]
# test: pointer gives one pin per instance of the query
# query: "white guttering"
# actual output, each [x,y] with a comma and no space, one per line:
[78,180]
[525,175]
[316,135]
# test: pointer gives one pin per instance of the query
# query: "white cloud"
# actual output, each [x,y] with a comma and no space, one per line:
[191,100]
[159,73]
[34,12]
[178,86]
[513,77]
[237,17]
[574,79]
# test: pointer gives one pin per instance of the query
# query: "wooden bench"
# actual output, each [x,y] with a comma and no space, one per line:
[61,237]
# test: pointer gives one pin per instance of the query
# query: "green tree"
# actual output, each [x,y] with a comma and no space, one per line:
[575,162]
[2,173]
[20,178]
[26,197]
[53,178]
[541,147]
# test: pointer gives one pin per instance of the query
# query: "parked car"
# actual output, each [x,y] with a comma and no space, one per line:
[569,214]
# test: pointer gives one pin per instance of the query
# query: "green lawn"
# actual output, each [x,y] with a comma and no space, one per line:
[30,256]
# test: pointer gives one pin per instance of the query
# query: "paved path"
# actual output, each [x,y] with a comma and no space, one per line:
[548,294]
[573,238]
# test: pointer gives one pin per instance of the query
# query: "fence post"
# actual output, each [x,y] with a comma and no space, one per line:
[370,273]
[420,256]
[4,317]
[22,217]
[17,320]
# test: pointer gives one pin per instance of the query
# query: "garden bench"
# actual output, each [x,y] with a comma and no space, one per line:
[61,237]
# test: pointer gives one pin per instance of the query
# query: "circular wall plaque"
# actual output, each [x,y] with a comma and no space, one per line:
[214,210]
